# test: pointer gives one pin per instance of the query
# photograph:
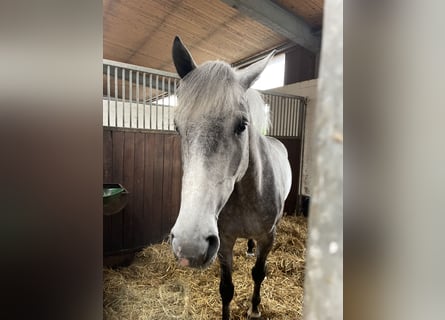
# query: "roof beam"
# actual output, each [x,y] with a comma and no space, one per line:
[279,20]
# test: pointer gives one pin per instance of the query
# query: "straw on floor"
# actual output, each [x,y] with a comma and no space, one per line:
[154,287]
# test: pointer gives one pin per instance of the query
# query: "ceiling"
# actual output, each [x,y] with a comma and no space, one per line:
[310,10]
[141,32]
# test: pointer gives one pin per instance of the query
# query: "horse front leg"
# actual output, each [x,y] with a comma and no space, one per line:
[259,273]
[226,288]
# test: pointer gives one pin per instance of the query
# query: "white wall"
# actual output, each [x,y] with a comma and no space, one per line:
[306,89]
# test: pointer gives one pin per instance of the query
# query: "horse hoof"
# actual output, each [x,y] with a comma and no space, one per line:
[250,254]
[253,315]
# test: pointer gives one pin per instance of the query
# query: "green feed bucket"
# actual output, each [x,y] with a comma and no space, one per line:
[115,198]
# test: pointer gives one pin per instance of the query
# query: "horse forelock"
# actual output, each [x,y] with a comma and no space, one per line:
[214,89]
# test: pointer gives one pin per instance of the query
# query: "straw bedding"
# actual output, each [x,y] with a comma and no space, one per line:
[154,287]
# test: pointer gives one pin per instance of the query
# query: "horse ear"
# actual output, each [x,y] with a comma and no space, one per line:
[182,58]
[250,74]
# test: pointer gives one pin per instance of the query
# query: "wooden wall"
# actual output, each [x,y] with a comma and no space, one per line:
[300,65]
[148,165]
[293,146]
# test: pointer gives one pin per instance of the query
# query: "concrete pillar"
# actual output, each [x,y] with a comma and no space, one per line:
[324,272]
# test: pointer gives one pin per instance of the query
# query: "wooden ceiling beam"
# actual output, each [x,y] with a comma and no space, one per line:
[279,20]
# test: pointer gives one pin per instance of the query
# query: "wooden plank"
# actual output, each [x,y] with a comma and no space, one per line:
[148,218]
[293,149]
[107,178]
[107,156]
[139,176]
[310,10]
[167,206]
[176,178]
[148,164]
[128,183]
[158,174]
[116,241]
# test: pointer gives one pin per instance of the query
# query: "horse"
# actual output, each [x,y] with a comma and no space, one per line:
[235,179]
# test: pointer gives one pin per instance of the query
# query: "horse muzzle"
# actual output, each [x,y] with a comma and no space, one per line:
[196,253]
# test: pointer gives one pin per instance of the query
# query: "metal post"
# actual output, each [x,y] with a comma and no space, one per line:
[108,93]
[150,81]
[137,99]
[169,105]
[123,97]
[144,92]
[163,102]
[130,89]
[157,104]
[116,96]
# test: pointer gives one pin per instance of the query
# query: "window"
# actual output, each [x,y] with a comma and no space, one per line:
[273,75]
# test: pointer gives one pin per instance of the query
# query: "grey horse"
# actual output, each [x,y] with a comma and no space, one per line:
[235,179]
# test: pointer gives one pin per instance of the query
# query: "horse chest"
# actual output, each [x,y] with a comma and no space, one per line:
[246,216]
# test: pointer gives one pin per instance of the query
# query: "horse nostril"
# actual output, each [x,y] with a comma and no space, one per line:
[213,246]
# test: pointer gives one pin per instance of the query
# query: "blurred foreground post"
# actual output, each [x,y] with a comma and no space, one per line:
[324,271]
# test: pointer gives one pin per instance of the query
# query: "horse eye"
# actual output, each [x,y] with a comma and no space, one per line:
[241,127]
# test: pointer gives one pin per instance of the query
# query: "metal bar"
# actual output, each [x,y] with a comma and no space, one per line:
[302,136]
[297,120]
[150,80]
[280,103]
[139,68]
[163,102]
[169,105]
[277,112]
[287,102]
[294,117]
[275,118]
[108,93]
[156,72]
[269,93]
[283,107]
[137,99]
[123,97]
[176,97]
[291,117]
[116,95]
[291,101]
[144,92]
[130,89]
[294,111]
[157,105]
[281,116]
[271,115]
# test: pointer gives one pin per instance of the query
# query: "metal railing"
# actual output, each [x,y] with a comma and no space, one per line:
[144,98]
[287,114]
[138,97]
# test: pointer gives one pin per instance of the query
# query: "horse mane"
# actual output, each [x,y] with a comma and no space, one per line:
[216,83]
[259,112]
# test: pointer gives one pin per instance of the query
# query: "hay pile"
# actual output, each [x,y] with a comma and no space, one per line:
[154,287]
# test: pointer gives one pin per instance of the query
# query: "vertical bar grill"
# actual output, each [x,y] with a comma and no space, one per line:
[159,98]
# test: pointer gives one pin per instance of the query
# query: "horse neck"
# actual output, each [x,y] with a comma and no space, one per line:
[254,172]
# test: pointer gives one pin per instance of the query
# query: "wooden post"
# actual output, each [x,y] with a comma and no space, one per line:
[324,272]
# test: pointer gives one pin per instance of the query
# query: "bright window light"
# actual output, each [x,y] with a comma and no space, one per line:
[273,75]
